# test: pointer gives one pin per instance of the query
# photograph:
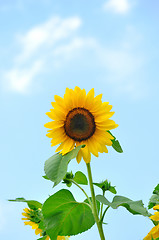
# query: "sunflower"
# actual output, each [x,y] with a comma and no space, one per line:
[78,119]
[33,218]
[154,233]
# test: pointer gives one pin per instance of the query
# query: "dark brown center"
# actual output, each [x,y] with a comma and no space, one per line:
[79,124]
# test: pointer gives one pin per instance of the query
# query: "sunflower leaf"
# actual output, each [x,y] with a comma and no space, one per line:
[115,144]
[42,238]
[56,166]
[134,207]
[64,216]
[32,204]
[80,178]
[154,200]
[103,200]
[156,190]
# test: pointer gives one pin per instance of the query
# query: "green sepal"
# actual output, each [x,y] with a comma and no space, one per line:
[106,186]
[80,178]
[56,166]
[154,200]
[115,144]
[32,204]
[134,207]
[64,216]
[67,178]
[45,177]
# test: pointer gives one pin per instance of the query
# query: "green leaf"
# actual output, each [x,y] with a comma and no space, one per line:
[42,238]
[106,186]
[45,177]
[156,190]
[154,200]
[64,216]
[103,200]
[112,190]
[115,144]
[80,178]
[100,185]
[134,207]
[32,204]
[56,166]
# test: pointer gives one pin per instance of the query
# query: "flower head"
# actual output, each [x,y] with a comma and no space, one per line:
[33,218]
[80,118]
[154,233]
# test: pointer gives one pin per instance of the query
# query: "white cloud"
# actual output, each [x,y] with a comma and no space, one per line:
[35,48]
[117,6]
[55,43]
[20,79]
[67,51]
[46,35]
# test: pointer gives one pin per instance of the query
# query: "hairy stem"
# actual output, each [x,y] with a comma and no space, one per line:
[101,211]
[94,205]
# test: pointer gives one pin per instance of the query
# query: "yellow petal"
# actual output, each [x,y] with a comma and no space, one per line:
[92,146]
[25,214]
[79,156]
[98,98]
[103,117]
[37,231]
[155,217]
[58,140]
[86,154]
[59,100]
[26,223]
[68,99]
[58,115]
[68,146]
[102,138]
[107,125]
[26,210]
[82,98]
[54,124]
[90,99]
[60,147]
[156,207]
[34,226]
[77,89]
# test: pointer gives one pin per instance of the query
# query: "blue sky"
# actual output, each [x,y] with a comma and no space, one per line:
[46,46]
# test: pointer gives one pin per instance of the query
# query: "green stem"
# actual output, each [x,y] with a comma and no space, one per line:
[71,180]
[102,217]
[101,211]
[95,211]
